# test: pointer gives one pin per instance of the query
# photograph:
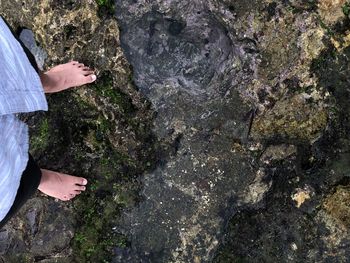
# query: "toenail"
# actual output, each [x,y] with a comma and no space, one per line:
[93,78]
[84,181]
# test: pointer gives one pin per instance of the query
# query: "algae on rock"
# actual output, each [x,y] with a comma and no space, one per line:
[251,101]
[295,119]
[100,132]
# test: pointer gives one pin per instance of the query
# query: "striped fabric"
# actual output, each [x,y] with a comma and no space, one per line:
[20,86]
[20,91]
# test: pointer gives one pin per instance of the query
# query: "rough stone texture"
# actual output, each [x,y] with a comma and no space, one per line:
[100,132]
[27,38]
[338,206]
[292,120]
[227,142]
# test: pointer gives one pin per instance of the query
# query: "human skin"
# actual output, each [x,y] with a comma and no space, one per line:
[72,74]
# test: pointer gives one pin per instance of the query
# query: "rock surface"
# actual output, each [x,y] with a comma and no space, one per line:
[224,140]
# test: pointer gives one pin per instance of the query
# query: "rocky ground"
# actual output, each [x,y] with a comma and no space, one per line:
[218,131]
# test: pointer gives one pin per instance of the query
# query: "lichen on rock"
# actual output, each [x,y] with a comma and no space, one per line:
[217,131]
[338,206]
[100,132]
[297,118]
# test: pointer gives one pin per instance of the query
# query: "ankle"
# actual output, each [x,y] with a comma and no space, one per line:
[49,81]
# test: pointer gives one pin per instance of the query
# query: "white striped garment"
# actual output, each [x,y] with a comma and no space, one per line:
[20,91]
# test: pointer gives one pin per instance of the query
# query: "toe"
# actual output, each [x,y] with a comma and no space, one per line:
[81,181]
[80,65]
[90,78]
[80,188]
[87,68]
[88,72]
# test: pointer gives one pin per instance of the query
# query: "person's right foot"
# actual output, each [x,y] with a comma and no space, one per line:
[61,186]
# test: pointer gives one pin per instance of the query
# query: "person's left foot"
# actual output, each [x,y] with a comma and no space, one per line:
[61,186]
[65,76]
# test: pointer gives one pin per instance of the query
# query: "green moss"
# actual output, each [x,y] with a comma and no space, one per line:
[322,61]
[99,209]
[329,31]
[346,9]
[111,188]
[98,213]
[40,139]
[226,256]
[105,7]
[95,239]
[332,70]
[306,5]
[75,134]
[104,87]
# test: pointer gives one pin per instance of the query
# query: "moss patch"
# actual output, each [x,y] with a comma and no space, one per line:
[41,140]
[293,119]
[104,87]
[338,205]
[346,9]
[73,137]
[105,7]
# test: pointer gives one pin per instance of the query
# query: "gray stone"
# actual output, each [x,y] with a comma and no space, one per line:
[188,65]
[4,241]
[27,38]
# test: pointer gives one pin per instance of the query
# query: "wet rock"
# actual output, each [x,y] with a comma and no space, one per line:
[27,38]
[331,11]
[100,132]
[184,52]
[55,234]
[293,119]
[257,190]
[277,153]
[239,119]
[38,233]
[4,240]
[338,206]
[302,195]
[188,67]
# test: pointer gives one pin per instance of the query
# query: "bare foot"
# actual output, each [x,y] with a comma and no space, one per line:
[61,186]
[66,76]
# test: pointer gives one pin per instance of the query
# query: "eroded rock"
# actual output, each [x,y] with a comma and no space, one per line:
[226,81]
[338,206]
[293,119]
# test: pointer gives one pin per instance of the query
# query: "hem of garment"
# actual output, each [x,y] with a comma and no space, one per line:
[23,142]
[41,105]
[30,181]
